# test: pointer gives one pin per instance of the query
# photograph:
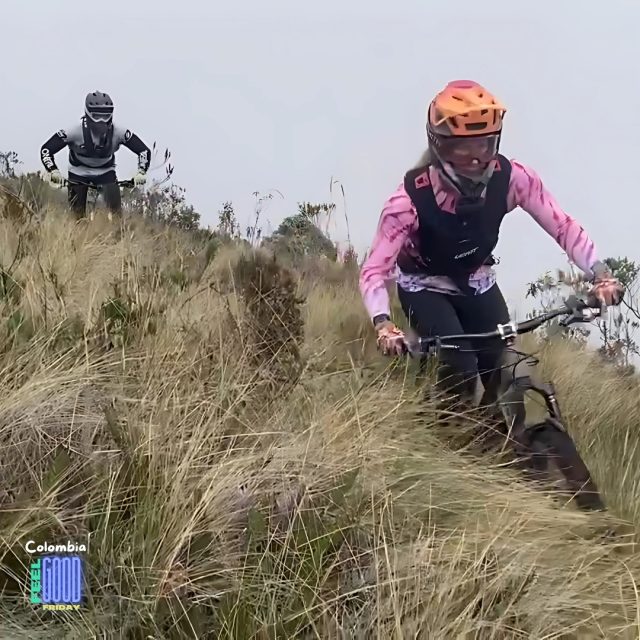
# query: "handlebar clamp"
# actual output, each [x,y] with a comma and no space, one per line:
[508,330]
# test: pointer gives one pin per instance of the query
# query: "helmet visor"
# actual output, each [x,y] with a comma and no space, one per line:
[102,115]
[468,156]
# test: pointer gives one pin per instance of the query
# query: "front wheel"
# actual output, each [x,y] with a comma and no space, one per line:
[553,455]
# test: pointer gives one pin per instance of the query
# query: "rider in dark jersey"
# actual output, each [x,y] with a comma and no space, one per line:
[438,230]
[92,144]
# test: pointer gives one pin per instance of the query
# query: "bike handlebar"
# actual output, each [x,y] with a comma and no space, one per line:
[121,183]
[578,310]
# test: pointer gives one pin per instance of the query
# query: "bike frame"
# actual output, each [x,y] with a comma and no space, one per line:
[508,389]
[515,374]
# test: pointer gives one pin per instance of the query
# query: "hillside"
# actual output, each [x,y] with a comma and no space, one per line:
[248,467]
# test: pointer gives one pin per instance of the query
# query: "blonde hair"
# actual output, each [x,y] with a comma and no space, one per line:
[425,159]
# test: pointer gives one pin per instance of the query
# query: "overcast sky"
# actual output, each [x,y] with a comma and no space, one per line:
[254,96]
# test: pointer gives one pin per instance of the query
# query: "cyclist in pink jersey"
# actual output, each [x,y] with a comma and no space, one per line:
[437,232]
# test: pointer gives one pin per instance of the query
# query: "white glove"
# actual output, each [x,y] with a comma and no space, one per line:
[139,179]
[55,177]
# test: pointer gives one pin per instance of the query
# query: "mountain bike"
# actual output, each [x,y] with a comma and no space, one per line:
[545,449]
[96,188]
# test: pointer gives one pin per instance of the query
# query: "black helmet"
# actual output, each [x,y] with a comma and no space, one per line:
[98,107]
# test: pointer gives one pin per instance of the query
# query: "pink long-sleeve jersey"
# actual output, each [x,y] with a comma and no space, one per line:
[398,226]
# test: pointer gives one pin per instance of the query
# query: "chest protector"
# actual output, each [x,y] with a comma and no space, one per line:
[92,150]
[456,245]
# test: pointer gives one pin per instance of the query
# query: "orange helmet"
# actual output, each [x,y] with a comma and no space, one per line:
[465,108]
[464,123]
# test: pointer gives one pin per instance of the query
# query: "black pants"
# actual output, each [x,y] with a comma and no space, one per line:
[430,313]
[77,193]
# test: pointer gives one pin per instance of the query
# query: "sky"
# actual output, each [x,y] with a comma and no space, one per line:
[288,96]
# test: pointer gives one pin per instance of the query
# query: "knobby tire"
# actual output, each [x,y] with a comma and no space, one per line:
[552,449]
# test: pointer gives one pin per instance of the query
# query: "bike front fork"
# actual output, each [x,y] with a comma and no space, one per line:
[514,397]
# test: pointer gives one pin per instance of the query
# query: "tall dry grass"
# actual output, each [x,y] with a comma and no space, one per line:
[246,466]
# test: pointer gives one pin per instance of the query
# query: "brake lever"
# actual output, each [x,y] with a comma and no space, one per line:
[413,346]
[579,313]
